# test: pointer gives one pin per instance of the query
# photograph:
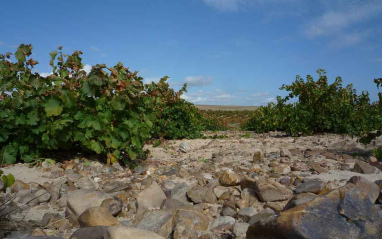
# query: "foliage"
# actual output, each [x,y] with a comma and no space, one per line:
[176,118]
[377,152]
[8,180]
[320,107]
[108,111]
[103,112]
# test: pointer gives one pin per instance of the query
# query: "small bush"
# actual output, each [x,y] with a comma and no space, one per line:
[176,118]
[320,107]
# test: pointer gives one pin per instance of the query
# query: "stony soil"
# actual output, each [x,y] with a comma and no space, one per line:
[216,187]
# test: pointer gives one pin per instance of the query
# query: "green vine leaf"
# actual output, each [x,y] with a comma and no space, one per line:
[53,108]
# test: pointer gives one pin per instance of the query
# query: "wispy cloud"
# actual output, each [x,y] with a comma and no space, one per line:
[225,5]
[338,22]
[198,80]
[271,7]
[151,79]
[98,50]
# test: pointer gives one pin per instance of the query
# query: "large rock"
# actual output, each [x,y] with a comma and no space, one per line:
[346,212]
[158,221]
[365,168]
[80,200]
[97,216]
[202,194]
[128,232]
[150,198]
[271,191]
[229,178]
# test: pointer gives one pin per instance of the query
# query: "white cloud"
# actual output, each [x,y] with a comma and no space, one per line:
[151,79]
[87,68]
[198,80]
[224,96]
[338,19]
[45,74]
[268,7]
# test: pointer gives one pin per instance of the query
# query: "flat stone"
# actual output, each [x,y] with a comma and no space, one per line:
[317,167]
[220,221]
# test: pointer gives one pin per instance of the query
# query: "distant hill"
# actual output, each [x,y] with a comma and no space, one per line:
[226,107]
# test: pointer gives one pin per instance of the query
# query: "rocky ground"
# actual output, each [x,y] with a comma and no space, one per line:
[237,186]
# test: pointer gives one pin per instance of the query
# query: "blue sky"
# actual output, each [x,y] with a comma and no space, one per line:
[230,52]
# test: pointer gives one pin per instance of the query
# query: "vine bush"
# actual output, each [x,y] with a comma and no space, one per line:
[108,111]
[320,107]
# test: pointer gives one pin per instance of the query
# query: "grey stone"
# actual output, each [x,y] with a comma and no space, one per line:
[42,195]
[150,198]
[220,221]
[311,186]
[268,191]
[240,229]
[90,233]
[246,213]
[184,147]
[227,211]
[202,194]
[345,212]
[179,192]
[128,232]
[264,216]
[300,199]
[171,203]
[80,200]
[158,221]
[365,168]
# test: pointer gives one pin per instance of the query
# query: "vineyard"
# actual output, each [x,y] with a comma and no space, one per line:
[110,112]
